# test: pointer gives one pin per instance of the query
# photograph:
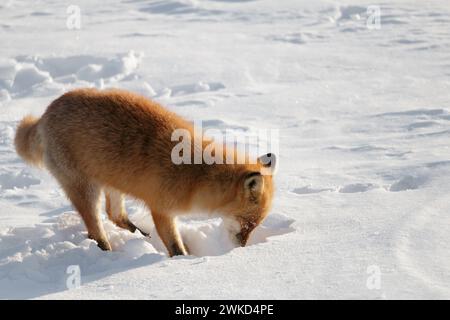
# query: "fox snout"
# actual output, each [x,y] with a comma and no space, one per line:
[242,238]
[244,234]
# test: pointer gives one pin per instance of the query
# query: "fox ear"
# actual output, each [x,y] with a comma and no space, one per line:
[254,184]
[269,164]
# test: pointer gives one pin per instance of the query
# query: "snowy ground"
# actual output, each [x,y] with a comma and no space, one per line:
[362,200]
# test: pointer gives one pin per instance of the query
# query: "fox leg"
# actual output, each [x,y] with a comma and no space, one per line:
[115,209]
[82,192]
[85,198]
[168,232]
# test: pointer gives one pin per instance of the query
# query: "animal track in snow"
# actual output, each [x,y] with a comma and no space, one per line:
[195,88]
[349,188]
[408,183]
[416,113]
[350,13]
[222,125]
[357,187]
[360,148]
[21,180]
[310,190]
[417,123]
[178,7]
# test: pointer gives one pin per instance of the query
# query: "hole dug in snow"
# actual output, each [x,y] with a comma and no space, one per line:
[208,237]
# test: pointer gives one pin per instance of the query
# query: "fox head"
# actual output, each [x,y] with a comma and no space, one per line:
[251,199]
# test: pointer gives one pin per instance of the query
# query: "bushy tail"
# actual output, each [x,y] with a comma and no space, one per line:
[28,142]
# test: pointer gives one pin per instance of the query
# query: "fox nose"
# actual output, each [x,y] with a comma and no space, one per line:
[242,239]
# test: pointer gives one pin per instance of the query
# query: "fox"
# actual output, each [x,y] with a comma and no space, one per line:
[118,143]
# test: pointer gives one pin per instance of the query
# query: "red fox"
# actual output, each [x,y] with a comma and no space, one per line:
[119,143]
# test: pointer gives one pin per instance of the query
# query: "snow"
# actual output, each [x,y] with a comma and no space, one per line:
[363,117]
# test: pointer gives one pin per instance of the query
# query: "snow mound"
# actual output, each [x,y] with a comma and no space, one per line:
[42,254]
[207,237]
[26,75]
[8,69]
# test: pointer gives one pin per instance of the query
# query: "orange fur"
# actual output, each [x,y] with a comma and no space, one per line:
[115,140]
[27,141]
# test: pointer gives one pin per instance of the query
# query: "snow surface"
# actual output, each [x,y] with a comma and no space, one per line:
[364,120]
